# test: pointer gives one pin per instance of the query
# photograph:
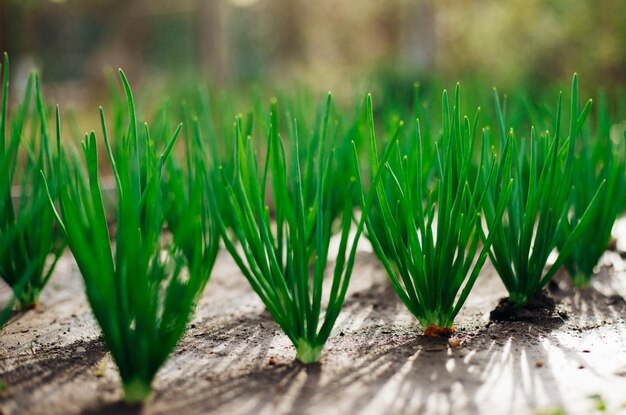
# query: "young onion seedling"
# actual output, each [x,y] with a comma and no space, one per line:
[27,232]
[432,244]
[284,257]
[138,290]
[537,211]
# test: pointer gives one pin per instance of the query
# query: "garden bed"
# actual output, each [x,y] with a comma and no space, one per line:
[234,359]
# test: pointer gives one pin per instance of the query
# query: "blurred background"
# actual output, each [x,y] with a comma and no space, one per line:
[327,44]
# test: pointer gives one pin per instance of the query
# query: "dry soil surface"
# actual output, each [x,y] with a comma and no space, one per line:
[234,359]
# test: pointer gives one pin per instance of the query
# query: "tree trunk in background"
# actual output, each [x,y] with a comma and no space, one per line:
[419,35]
[211,39]
[290,43]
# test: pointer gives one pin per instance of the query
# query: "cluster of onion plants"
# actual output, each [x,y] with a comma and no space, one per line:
[536,217]
[284,256]
[143,288]
[29,244]
[429,236]
[437,203]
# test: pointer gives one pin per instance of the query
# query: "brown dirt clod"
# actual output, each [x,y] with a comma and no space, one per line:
[437,331]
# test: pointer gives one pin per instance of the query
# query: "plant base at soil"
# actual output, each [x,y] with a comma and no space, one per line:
[438,331]
[136,391]
[306,353]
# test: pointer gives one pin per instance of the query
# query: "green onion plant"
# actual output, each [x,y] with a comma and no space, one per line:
[536,214]
[284,257]
[143,288]
[429,236]
[600,159]
[30,246]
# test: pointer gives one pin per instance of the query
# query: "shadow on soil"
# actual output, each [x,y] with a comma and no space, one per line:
[45,365]
[397,370]
[372,363]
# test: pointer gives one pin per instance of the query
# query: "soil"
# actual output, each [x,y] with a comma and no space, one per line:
[539,307]
[235,360]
